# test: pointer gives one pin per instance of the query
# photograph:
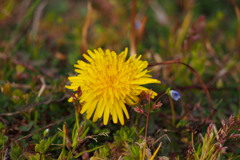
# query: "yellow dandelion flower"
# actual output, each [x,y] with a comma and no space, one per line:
[108,81]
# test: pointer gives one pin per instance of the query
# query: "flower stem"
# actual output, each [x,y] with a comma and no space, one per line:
[77,118]
[146,127]
[160,97]
[173,111]
[147,119]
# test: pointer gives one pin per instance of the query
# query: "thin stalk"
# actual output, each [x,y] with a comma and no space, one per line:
[144,149]
[195,152]
[146,127]
[147,119]
[173,111]
[133,30]
[137,119]
[77,118]
[159,97]
[204,87]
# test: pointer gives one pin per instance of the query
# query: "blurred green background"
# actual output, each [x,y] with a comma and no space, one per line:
[41,40]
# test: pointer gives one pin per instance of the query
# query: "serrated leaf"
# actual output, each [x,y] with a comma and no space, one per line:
[26,128]
[35,157]
[15,152]
[3,139]
[43,146]
[7,89]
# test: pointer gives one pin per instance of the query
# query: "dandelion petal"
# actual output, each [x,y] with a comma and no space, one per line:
[108,82]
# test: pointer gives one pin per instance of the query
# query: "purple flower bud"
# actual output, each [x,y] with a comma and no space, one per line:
[137,25]
[175,95]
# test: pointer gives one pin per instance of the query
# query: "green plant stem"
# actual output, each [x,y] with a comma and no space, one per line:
[159,97]
[144,149]
[137,120]
[77,118]
[146,130]
[147,119]
[146,127]
[173,111]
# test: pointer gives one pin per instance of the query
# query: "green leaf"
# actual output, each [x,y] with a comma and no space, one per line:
[26,128]
[15,151]
[43,146]
[87,151]
[182,123]
[35,157]
[3,139]
[2,126]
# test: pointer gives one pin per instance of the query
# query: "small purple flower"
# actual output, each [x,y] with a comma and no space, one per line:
[137,24]
[175,95]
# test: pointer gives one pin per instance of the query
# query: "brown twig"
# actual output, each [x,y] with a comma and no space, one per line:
[160,14]
[43,86]
[37,18]
[237,11]
[204,87]
[25,86]
[27,64]
[147,119]
[31,106]
[38,130]
[210,88]
[178,117]
[84,43]
[133,30]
